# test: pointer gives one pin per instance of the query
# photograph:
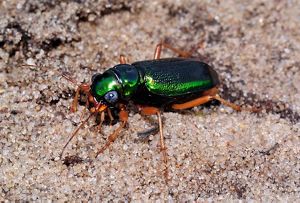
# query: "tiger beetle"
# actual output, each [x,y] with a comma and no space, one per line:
[153,86]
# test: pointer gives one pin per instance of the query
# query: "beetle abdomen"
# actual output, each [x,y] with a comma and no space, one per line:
[176,77]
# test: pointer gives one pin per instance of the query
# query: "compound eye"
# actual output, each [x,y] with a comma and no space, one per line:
[111,97]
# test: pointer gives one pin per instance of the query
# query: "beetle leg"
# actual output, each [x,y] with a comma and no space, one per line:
[234,106]
[102,117]
[111,118]
[206,98]
[123,115]
[81,87]
[161,45]
[67,76]
[163,148]
[157,51]
[227,103]
[123,59]
[162,145]
[75,133]
[192,103]
[84,110]
[85,87]
[202,100]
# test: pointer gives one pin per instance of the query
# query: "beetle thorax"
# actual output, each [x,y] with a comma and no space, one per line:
[128,77]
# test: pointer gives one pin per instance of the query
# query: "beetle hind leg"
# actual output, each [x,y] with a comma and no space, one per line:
[202,100]
[161,45]
[234,106]
[209,96]
[227,103]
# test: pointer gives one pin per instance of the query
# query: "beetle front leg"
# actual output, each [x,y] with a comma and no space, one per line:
[102,118]
[85,87]
[111,118]
[161,45]
[123,115]
[74,134]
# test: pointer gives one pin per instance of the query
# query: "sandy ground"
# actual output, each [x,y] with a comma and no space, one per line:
[214,152]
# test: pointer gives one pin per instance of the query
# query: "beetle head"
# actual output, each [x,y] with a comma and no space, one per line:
[105,89]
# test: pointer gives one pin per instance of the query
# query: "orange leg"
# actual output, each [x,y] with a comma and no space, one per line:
[163,148]
[102,117]
[159,47]
[123,59]
[75,133]
[85,87]
[190,104]
[209,95]
[111,118]
[227,103]
[123,115]
[202,100]
[151,111]
[84,110]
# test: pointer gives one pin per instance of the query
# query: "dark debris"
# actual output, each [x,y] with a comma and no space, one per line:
[72,160]
[271,150]
[10,43]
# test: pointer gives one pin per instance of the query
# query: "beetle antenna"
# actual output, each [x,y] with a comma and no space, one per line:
[75,133]
[65,75]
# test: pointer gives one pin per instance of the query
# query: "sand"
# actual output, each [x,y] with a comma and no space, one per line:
[214,153]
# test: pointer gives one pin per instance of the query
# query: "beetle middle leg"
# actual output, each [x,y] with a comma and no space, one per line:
[161,45]
[123,59]
[152,111]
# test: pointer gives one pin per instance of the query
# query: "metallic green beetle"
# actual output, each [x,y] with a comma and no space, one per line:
[157,83]
[154,86]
